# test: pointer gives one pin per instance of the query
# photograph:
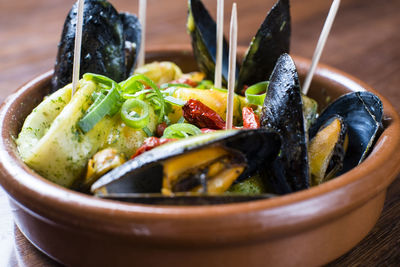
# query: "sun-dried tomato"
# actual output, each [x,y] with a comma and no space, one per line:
[150,143]
[250,120]
[202,116]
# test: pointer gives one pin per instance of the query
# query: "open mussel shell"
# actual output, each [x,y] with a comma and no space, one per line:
[203,29]
[184,199]
[362,112]
[102,44]
[283,112]
[327,150]
[145,173]
[271,41]
[132,36]
[103,52]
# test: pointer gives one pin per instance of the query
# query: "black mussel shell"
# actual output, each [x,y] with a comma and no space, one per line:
[334,157]
[362,112]
[144,174]
[271,41]
[283,112]
[102,44]
[202,29]
[182,199]
[132,36]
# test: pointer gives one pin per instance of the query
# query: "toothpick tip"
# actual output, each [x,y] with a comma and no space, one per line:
[142,19]
[219,40]
[232,67]
[321,44]
[77,47]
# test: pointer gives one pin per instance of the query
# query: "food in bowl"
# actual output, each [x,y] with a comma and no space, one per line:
[279,145]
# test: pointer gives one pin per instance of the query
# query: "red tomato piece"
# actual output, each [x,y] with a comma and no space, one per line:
[202,116]
[150,143]
[250,120]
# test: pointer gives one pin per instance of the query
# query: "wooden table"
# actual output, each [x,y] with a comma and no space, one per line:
[364,41]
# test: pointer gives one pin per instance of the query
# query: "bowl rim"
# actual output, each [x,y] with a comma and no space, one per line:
[45,199]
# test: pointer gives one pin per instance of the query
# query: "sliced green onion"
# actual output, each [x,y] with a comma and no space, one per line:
[100,79]
[132,84]
[150,95]
[181,120]
[175,101]
[155,103]
[137,94]
[255,94]
[205,84]
[181,130]
[116,107]
[167,120]
[135,113]
[147,131]
[104,106]
[98,97]
[108,84]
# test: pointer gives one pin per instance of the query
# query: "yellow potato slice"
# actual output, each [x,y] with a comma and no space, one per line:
[52,145]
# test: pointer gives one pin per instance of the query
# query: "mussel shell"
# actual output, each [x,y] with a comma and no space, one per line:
[183,199]
[270,42]
[362,112]
[102,44]
[283,112]
[144,173]
[132,36]
[203,30]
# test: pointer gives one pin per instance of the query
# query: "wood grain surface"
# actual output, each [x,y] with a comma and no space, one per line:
[364,42]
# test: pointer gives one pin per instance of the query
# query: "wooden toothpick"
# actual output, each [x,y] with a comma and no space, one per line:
[78,46]
[321,43]
[232,65]
[219,39]
[142,19]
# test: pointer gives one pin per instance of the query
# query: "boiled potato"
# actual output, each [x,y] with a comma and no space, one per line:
[160,72]
[213,98]
[51,143]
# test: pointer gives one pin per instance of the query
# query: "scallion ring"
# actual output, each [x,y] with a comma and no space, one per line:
[135,113]
[133,80]
[181,130]
[101,79]
[255,94]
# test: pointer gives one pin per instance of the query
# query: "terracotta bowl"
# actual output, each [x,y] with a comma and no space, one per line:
[311,227]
